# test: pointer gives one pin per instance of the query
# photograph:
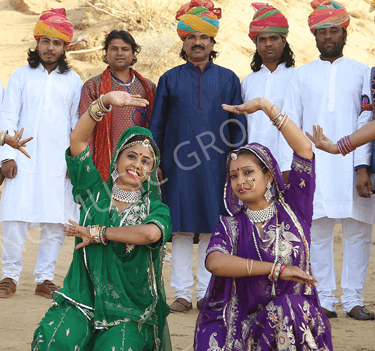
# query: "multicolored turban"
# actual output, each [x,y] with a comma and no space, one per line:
[198,16]
[267,19]
[372,5]
[53,23]
[327,14]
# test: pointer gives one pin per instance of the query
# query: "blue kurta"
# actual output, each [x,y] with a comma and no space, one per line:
[195,135]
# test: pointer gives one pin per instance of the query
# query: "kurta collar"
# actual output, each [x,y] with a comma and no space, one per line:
[280,67]
[336,62]
[191,66]
[42,69]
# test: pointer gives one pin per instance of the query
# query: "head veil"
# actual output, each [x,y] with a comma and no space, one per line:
[150,187]
[232,203]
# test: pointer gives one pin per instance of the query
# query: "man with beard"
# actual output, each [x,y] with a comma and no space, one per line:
[273,70]
[329,92]
[194,135]
[120,54]
[42,97]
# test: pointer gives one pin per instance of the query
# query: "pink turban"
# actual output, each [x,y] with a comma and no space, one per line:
[53,23]
[267,19]
[327,14]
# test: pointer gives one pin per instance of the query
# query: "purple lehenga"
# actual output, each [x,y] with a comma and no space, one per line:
[239,313]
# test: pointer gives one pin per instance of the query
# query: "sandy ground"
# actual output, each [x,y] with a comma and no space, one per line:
[20,315]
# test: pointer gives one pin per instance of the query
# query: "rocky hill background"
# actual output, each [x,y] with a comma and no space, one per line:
[153,25]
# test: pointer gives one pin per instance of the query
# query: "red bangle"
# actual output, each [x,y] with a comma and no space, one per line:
[282,269]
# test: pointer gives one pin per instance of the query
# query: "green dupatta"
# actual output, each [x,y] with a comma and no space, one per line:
[108,284]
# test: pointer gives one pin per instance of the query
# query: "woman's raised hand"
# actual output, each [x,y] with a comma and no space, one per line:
[248,107]
[321,141]
[16,142]
[74,229]
[296,274]
[122,98]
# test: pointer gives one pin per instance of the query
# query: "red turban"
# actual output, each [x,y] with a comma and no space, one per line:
[267,19]
[53,23]
[327,14]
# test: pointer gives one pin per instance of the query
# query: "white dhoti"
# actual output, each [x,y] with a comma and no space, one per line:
[357,245]
[182,265]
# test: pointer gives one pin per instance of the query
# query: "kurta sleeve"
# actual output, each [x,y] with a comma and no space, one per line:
[89,93]
[293,102]
[362,155]
[75,101]
[238,131]
[10,112]
[219,241]
[1,93]
[85,178]
[160,215]
[299,193]
[160,112]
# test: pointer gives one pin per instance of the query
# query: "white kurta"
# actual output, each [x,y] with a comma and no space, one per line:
[331,95]
[1,93]
[46,105]
[273,87]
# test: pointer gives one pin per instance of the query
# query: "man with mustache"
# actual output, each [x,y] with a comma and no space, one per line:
[121,52]
[329,92]
[273,70]
[42,97]
[194,135]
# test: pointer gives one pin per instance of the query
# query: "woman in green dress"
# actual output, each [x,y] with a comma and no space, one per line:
[113,296]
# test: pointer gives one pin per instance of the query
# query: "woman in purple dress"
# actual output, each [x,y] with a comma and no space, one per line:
[262,294]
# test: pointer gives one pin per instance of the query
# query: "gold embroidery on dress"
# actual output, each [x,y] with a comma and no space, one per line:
[302,184]
[129,248]
[302,165]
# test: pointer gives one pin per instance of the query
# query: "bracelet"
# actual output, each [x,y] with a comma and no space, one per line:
[282,269]
[97,109]
[345,146]
[3,133]
[277,271]
[102,238]
[271,276]
[283,124]
[251,267]
[94,233]
[102,106]
[249,270]
[278,116]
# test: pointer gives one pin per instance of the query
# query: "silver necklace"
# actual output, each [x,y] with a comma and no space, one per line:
[262,215]
[129,197]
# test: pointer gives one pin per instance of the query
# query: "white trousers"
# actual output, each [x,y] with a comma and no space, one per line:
[357,244]
[51,240]
[182,265]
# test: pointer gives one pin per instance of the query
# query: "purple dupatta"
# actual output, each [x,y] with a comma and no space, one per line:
[239,313]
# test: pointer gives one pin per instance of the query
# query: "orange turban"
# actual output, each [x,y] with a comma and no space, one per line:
[327,14]
[198,16]
[53,23]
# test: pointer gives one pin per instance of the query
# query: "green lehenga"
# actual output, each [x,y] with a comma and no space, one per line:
[117,285]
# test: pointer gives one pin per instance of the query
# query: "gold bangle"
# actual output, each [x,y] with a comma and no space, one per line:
[247,267]
[251,267]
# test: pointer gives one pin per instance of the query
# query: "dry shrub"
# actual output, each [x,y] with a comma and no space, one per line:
[139,15]
[160,52]
[152,24]
[359,14]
